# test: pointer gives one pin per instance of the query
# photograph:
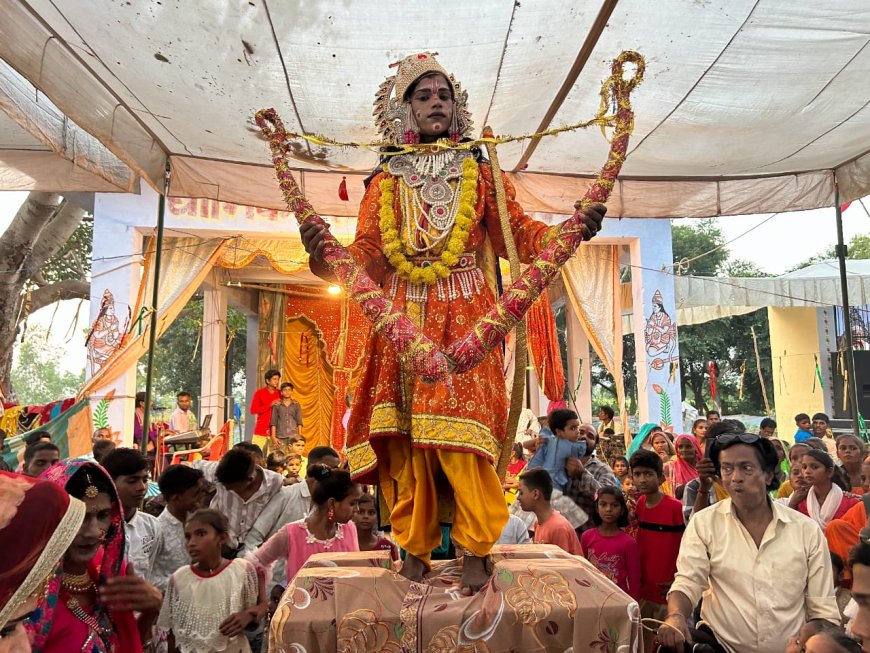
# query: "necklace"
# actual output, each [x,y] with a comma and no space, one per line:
[458,218]
[78,583]
[88,620]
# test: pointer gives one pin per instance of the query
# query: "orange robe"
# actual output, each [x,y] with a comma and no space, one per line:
[393,409]
[842,534]
[472,417]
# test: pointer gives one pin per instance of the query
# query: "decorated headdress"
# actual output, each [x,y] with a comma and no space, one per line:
[658,299]
[38,521]
[111,555]
[393,116]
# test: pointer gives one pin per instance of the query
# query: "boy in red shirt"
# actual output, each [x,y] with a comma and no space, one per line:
[261,406]
[533,494]
[660,531]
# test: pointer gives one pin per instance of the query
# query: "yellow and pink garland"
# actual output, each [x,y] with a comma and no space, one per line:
[423,356]
[389,226]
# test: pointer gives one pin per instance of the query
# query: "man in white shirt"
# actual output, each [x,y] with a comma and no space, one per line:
[243,490]
[294,503]
[182,418]
[859,561]
[129,469]
[514,532]
[182,488]
[763,569]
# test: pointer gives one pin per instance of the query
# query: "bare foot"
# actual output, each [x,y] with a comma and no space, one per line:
[413,568]
[474,575]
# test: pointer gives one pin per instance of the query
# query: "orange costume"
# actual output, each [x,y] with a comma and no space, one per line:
[842,534]
[425,442]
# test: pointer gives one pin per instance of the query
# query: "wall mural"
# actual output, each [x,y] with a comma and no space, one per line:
[660,341]
[105,334]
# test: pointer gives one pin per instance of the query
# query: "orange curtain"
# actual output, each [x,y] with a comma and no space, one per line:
[342,332]
[544,348]
[307,368]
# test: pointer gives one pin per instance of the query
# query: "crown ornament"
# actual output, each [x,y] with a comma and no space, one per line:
[392,113]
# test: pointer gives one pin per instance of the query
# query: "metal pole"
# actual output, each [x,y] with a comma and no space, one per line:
[850,387]
[152,334]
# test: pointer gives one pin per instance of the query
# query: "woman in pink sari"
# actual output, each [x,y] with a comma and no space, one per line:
[38,521]
[89,604]
[681,469]
[327,528]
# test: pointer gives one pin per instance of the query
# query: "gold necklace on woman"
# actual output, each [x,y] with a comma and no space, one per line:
[77,583]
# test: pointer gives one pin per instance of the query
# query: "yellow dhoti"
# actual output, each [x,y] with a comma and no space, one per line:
[414,479]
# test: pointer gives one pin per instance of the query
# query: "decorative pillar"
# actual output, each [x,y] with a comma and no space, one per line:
[214,344]
[252,372]
[116,267]
[655,326]
[579,368]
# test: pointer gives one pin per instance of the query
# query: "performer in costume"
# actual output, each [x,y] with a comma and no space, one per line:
[428,228]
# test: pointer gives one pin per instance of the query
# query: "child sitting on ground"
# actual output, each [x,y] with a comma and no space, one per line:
[557,442]
[366,521]
[608,547]
[550,527]
[660,531]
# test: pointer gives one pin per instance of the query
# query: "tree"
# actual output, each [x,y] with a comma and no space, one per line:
[45,254]
[726,342]
[857,248]
[37,373]
[691,242]
[178,356]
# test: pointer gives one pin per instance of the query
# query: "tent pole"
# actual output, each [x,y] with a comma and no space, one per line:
[851,388]
[152,334]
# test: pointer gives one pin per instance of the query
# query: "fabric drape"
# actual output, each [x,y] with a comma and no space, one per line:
[307,368]
[186,262]
[592,282]
[544,348]
[270,345]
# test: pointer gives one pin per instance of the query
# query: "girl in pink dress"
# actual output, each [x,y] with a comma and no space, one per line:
[327,528]
[613,552]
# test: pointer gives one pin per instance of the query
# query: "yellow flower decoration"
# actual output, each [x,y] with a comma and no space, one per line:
[455,244]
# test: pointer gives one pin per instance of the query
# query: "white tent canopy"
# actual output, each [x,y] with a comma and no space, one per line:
[701,299]
[42,149]
[748,105]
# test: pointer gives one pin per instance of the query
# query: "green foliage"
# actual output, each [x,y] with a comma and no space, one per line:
[73,260]
[690,241]
[857,248]
[178,357]
[37,373]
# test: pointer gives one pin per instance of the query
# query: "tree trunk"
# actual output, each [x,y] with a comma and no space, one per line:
[39,229]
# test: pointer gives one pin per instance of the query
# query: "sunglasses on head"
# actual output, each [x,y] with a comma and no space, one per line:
[745,438]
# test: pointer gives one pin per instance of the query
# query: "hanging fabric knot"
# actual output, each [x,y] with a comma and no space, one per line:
[342,190]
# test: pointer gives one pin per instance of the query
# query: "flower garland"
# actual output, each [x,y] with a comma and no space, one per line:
[423,356]
[429,274]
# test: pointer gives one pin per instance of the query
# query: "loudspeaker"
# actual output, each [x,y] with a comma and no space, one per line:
[862,382]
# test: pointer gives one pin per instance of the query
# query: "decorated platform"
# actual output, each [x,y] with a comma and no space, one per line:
[538,599]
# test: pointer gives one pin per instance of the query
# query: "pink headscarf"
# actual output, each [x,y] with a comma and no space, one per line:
[683,472]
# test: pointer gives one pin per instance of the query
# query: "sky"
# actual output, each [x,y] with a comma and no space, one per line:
[775,244]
